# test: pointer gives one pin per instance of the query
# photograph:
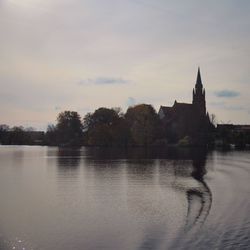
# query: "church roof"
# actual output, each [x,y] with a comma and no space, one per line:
[182,104]
[177,108]
[166,109]
[183,108]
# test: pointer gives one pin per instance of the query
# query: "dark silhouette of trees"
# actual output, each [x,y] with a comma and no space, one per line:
[69,129]
[19,135]
[4,134]
[229,134]
[102,116]
[4,128]
[105,127]
[67,132]
[144,124]
[51,136]
[140,126]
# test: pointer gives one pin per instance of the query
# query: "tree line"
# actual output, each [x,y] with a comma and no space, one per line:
[18,135]
[227,135]
[139,126]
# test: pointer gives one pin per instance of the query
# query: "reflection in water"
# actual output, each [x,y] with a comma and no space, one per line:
[202,193]
[133,199]
[68,158]
[141,164]
[110,188]
[142,153]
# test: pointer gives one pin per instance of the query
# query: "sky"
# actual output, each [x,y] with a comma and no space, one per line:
[79,55]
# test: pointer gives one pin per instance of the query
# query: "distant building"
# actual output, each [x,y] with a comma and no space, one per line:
[187,119]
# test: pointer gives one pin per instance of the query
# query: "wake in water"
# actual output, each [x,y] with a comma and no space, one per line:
[202,194]
[228,227]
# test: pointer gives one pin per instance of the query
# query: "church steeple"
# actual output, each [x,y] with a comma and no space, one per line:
[199,95]
[198,80]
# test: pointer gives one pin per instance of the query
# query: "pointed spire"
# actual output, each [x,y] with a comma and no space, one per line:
[198,80]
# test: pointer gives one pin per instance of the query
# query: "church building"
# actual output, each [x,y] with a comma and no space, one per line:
[187,119]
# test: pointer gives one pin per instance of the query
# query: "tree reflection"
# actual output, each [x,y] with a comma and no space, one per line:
[68,158]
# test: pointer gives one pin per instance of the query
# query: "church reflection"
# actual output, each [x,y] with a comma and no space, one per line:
[202,193]
[188,166]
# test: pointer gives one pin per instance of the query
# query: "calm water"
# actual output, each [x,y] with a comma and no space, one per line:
[110,199]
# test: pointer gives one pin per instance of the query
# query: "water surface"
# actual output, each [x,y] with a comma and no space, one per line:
[123,199]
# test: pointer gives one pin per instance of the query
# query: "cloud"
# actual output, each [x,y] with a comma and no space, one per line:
[104,81]
[227,93]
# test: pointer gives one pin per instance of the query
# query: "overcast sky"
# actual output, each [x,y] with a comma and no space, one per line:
[58,55]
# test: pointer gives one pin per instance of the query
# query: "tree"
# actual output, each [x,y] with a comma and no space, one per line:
[18,136]
[101,116]
[69,128]
[51,136]
[4,134]
[144,125]
[106,127]
[87,121]
[4,128]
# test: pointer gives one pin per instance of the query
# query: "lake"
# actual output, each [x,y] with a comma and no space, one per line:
[134,199]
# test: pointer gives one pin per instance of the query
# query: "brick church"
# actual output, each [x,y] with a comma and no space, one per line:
[187,119]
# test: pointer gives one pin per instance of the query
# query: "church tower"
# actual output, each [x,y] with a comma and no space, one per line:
[199,99]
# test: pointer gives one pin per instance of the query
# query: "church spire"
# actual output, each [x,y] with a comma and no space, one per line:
[198,80]
[199,95]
